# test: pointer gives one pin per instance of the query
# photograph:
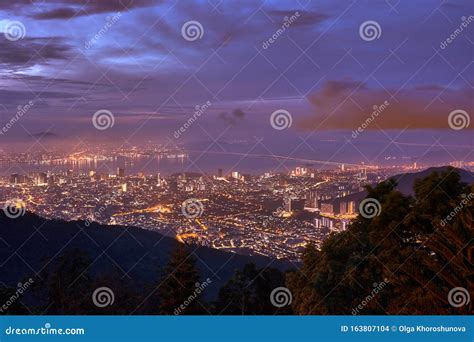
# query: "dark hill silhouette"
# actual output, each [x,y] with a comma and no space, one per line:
[405,181]
[134,254]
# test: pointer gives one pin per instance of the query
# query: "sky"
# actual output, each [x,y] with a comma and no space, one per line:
[309,62]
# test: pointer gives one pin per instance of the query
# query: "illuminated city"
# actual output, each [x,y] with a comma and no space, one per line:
[275,214]
[252,157]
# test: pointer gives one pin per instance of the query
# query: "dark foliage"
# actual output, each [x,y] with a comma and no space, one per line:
[405,260]
[410,253]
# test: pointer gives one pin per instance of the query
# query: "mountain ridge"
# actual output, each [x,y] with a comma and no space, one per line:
[134,253]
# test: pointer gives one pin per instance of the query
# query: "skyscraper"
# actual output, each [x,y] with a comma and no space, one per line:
[312,199]
[15,178]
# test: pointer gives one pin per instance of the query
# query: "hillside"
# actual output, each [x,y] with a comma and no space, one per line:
[406,180]
[133,254]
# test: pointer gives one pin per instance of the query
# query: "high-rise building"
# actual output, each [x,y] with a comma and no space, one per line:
[343,207]
[174,185]
[15,178]
[327,208]
[293,204]
[344,224]
[235,175]
[327,222]
[312,199]
[120,172]
[351,209]
[220,172]
[41,179]
[299,171]
[287,204]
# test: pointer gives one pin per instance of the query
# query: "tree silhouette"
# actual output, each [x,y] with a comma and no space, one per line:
[177,292]
[248,292]
[68,284]
[443,259]
[10,302]
[410,248]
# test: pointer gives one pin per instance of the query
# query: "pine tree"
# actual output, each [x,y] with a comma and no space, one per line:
[177,291]
[410,246]
[248,292]
[68,284]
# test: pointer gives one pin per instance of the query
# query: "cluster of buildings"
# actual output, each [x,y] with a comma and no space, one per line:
[272,214]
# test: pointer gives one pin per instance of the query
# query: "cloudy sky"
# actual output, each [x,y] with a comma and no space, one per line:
[326,63]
